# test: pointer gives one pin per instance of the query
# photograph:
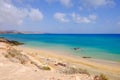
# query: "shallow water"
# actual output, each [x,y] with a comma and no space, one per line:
[100,46]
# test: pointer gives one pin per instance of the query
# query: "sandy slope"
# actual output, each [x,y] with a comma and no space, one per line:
[11,69]
[95,66]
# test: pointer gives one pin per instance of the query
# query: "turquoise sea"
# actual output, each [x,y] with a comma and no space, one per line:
[100,46]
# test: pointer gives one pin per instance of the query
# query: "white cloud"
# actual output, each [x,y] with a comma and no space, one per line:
[66,3]
[75,18]
[36,15]
[92,17]
[98,3]
[12,15]
[61,17]
[83,19]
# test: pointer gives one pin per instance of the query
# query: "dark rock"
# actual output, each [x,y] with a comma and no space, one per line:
[15,43]
[86,57]
[61,64]
[76,48]
[11,42]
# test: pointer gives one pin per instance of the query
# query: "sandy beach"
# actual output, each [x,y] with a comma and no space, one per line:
[26,63]
[96,64]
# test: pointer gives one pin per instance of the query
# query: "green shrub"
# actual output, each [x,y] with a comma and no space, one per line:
[6,56]
[100,77]
[32,62]
[22,61]
[103,77]
[46,68]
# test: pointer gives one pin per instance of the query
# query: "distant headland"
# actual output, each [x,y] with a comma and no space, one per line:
[19,32]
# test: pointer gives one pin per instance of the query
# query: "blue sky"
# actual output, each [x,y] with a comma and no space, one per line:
[61,16]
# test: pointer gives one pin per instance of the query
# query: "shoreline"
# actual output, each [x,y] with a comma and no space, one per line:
[42,62]
[74,53]
[109,66]
[63,53]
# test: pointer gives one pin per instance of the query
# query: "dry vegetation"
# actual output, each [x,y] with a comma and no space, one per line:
[13,53]
[73,70]
[100,77]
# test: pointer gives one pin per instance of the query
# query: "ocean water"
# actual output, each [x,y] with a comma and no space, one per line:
[100,46]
